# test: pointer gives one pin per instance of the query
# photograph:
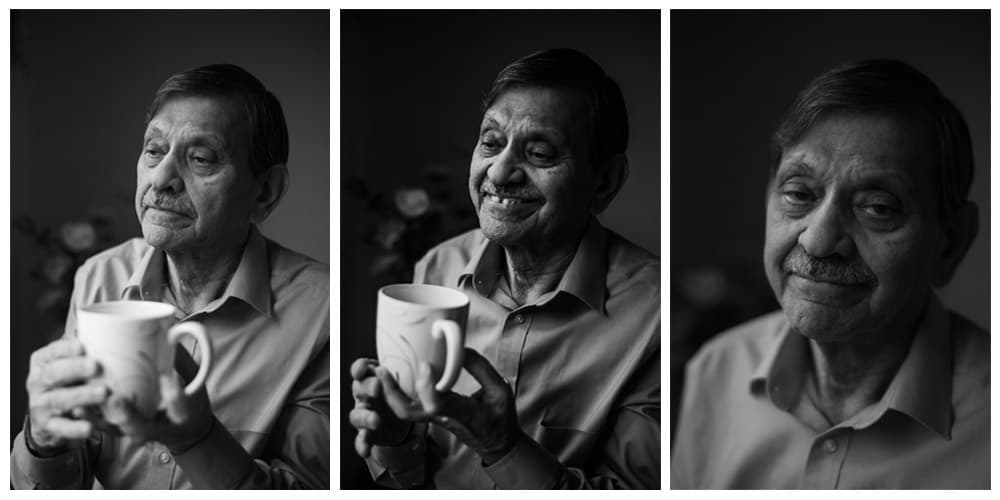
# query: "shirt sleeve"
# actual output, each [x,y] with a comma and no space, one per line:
[71,469]
[402,466]
[630,455]
[297,455]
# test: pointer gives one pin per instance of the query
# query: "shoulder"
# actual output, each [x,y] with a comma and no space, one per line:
[292,269]
[971,362]
[631,267]
[743,346]
[443,263]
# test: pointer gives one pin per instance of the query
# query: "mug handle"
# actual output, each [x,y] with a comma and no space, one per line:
[453,351]
[198,332]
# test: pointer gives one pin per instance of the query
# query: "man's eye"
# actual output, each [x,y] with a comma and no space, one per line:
[879,210]
[540,155]
[797,197]
[490,146]
[153,152]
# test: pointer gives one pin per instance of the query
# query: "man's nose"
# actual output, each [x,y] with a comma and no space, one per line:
[505,168]
[825,233]
[165,174]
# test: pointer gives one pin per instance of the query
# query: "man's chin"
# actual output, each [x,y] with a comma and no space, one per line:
[500,232]
[820,322]
[160,237]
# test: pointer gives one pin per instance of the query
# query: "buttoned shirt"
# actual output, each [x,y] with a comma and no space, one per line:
[747,422]
[269,383]
[583,362]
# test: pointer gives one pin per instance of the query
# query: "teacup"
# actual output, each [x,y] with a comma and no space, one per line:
[421,323]
[135,343]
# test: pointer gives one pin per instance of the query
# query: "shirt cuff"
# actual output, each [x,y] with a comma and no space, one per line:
[405,463]
[528,466]
[62,470]
[217,462]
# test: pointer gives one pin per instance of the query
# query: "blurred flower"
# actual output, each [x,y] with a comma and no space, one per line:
[389,232]
[78,236]
[705,287]
[383,264]
[412,203]
[56,267]
[54,301]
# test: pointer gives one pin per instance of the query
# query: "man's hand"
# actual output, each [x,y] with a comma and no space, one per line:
[375,422]
[60,390]
[182,423]
[486,421]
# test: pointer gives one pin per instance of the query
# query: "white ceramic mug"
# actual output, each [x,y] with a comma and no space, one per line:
[135,343]
[421,323]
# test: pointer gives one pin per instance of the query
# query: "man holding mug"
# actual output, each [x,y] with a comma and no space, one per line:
[212,166]
[561,387]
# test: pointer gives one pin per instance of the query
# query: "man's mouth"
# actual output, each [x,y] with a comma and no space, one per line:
[503,200]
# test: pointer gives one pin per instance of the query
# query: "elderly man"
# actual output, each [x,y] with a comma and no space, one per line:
[863,379]
[212,166]
[563,342]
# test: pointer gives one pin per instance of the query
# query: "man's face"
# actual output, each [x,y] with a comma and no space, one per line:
[852,232]
[194,188]
[531,179]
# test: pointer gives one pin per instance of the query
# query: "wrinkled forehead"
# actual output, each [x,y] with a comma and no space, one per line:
[195,114]
[894,144]
[551,107]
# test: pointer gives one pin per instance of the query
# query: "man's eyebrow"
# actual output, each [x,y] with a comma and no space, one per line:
[488,123]
[153,133]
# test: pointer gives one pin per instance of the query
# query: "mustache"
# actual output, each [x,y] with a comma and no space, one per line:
[834,269]
[168,202]
[520,191]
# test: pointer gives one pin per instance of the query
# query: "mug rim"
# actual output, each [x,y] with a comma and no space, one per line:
[138,309]
[458,299]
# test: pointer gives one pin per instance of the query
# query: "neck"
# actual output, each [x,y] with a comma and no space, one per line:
[531,274]
[850,376]
[199,277]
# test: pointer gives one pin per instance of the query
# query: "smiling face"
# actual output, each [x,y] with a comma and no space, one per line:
[194,189]
[853,238]
[531,179]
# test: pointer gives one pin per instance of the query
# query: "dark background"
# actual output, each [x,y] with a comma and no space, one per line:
[732,76]
[411,86]
[80,86]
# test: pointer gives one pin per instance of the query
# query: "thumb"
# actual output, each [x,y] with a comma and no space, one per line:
[175,402]
[484,373]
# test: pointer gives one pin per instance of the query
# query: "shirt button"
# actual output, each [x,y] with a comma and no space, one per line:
[519,318]
[830,445]
[165,457]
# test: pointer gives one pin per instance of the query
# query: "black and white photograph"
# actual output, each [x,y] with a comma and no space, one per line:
[829,274]
[499,250]
[170,293]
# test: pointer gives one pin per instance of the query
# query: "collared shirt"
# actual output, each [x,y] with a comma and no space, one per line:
[746,421]
[269,383]
[583,361]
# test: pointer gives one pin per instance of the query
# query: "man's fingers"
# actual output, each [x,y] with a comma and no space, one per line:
[61,348]
[367,389]
[68,428]
[425,389]
[66,398]
[484,373]
[398,402]
[363,443]
[363,367]
[174,400]
[364,419]
[59,372]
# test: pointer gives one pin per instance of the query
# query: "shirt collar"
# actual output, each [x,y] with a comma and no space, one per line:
[251,282]
[920,389]
[584,277]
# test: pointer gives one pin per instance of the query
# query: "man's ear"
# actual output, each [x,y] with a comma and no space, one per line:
[613,174]
[271,187]
[958,233]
